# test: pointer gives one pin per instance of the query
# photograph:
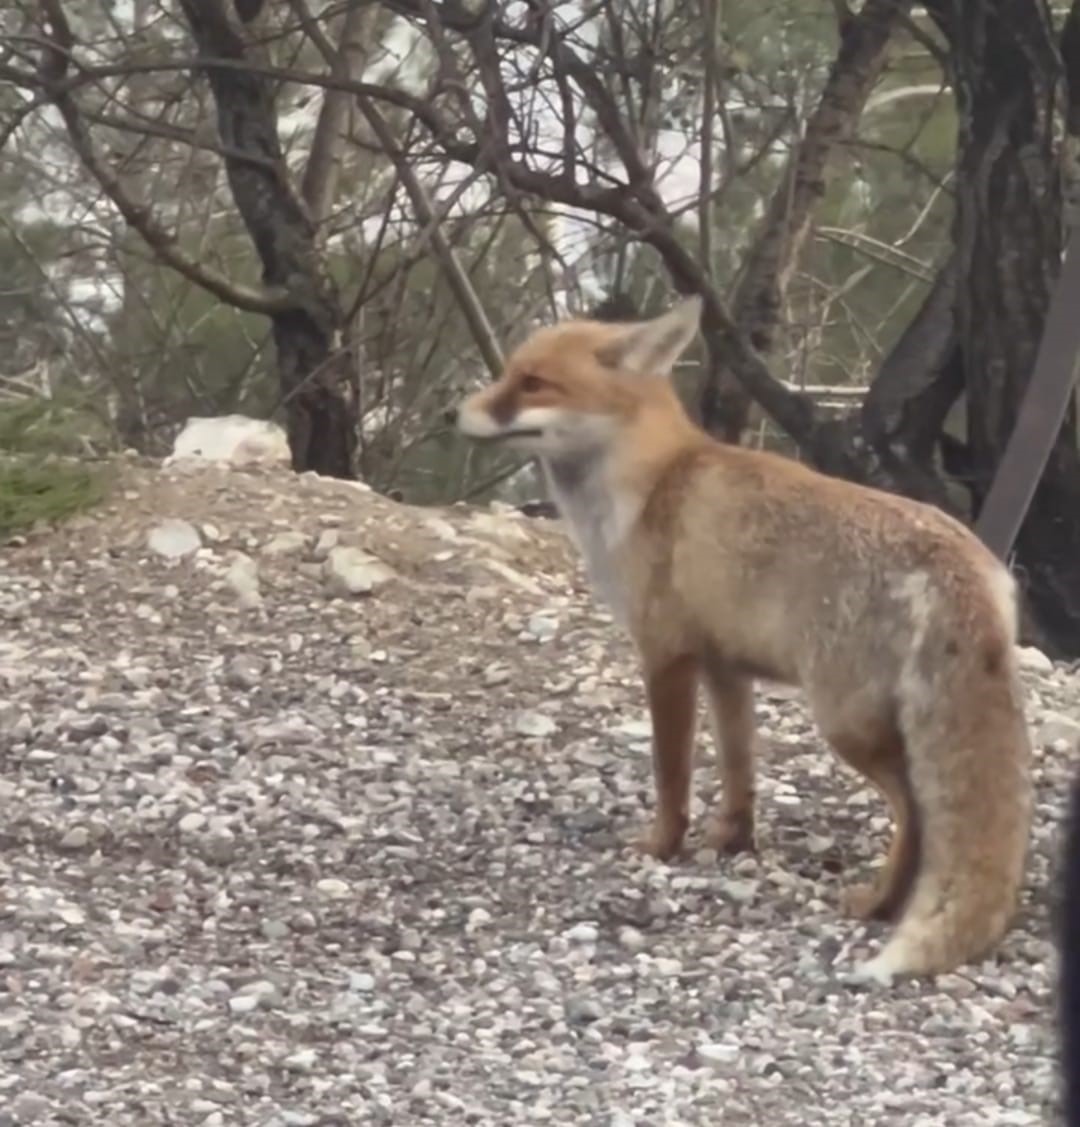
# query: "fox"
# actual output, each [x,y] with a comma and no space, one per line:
[727,566]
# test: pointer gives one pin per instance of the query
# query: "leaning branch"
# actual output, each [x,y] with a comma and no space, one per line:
[471,306]
[320,174]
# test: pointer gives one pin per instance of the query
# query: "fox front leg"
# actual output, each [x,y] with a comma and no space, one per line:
[731,703]
[671,694]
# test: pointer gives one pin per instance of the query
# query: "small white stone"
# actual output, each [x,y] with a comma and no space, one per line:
[496,674]
[741,891]
[542,628]
[633,731]
[328,540]
[669,968]
[583,933]
[719,1052]
[303,1061]
[631,938]
[332,888]
[534,724]
[71,914]
[174,539]
[192,823]
[78,837]
[350,571]
[243,578]
[285,544]
[244,1003]
[478,917]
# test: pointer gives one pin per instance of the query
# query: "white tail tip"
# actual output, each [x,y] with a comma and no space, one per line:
[878,971]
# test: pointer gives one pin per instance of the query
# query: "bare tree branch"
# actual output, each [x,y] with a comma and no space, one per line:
[53,69]
[471,306]
[636,203]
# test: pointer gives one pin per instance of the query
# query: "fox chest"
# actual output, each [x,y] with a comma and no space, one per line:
[599,522]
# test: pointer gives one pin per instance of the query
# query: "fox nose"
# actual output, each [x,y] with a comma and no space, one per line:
[450,416]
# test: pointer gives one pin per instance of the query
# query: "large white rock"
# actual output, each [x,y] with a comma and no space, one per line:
[234,439]
[1034,660]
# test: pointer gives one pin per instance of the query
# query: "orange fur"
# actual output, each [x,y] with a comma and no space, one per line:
[726,565]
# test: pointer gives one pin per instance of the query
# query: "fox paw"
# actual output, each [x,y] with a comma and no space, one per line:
[731,833]
[660,841]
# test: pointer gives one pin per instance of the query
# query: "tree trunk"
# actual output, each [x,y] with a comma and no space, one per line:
[757,303]
[1008,236]
[127,378]
[314,367]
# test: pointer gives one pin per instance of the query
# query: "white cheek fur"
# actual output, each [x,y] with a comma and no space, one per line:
[477,424]
[538,418]
[561,432]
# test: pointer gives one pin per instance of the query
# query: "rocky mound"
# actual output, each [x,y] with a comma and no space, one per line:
[314,810]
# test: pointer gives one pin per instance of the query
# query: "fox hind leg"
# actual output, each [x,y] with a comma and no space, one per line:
[885,898]
[883,763]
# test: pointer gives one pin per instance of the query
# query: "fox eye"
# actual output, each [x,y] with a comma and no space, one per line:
[531,383]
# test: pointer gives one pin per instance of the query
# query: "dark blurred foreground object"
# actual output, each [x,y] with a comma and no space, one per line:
[1069,961]
[544,509]
[247,10]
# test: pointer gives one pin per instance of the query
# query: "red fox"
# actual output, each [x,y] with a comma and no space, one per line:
[726,565]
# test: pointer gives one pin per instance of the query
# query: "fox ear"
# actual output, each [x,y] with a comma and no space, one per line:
[652,347]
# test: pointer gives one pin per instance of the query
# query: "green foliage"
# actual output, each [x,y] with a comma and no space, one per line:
[29,309]
[42,427]
[37,483]
[34,492]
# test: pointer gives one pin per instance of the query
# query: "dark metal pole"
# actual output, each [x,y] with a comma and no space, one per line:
[1041,412]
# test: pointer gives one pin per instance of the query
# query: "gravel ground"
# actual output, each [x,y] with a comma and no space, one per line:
[292,835]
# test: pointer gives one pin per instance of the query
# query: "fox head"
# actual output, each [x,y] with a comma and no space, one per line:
[568,388]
